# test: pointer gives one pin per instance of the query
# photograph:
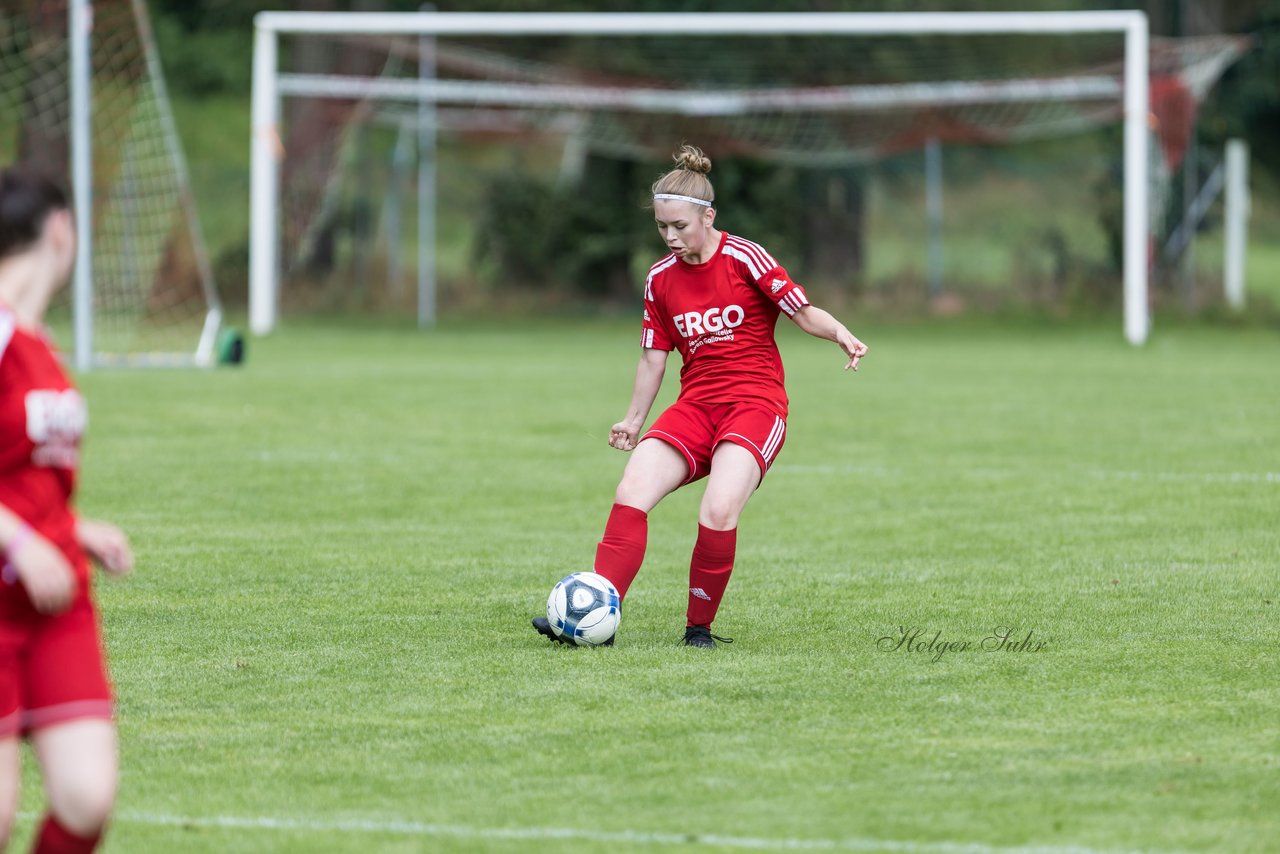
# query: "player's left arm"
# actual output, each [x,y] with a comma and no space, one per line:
[106,544]
[820,324]
[777,285]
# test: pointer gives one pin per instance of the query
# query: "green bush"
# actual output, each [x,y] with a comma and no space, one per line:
[535,234]
[204,62]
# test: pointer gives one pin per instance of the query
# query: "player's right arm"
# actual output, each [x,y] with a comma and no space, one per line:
[42,569]
[625,435]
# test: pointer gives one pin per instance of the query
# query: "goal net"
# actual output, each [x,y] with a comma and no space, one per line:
[152,297]
[982,157]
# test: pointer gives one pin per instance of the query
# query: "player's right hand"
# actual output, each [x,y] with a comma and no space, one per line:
[46,574]
[624,436]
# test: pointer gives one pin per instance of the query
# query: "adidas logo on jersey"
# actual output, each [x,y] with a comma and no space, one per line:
[778,284]
[700,593]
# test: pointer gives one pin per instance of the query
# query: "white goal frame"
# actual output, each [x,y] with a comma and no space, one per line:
[264,262]
[80,32]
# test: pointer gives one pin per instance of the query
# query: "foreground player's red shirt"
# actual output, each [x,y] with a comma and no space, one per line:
[42,418]
[721,315]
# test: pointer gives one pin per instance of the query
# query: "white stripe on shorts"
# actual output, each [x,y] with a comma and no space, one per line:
[770,445]
[775,439]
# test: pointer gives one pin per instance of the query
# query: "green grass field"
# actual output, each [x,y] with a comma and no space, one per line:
[326,644]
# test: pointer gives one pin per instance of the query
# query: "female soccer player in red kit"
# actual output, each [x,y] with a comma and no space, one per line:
[716,298]
[53,682]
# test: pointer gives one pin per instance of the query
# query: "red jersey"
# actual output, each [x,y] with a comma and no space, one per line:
[721,315]
[42,418]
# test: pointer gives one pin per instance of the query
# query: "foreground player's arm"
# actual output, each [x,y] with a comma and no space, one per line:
[42,569]
[106,544]
[625,435]
[821,324]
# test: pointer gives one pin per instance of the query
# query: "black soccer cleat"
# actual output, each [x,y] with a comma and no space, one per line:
[701,637]
[543,625]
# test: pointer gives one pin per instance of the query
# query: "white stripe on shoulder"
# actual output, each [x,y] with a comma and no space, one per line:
[765,253]
[743,246]
[662,262]
[7,325]
[752,264]
[655,270]
[756,249]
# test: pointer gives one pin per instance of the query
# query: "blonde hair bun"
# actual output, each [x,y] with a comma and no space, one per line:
[691,158]
[689,178]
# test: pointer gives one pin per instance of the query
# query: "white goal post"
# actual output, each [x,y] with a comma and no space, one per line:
[82,97]
[264,263]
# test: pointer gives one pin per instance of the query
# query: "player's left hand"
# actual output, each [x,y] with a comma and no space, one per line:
[106,544]
[853,348]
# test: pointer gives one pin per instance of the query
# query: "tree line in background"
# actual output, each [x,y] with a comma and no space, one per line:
[590,230]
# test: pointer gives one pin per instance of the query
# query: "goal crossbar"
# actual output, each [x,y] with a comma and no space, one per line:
[269,87]
[703,102]
[695,23]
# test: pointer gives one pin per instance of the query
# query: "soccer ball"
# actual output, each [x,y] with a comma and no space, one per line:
[585,608]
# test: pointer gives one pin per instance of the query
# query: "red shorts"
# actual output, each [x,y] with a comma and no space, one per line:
[694,429]
[51,667]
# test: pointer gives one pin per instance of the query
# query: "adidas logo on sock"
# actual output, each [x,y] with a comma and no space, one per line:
[700,593]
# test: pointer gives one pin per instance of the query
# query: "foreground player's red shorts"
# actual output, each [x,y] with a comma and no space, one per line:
[51,667]
[694,429]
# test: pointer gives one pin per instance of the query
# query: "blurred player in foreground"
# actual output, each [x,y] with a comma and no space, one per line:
[53,680]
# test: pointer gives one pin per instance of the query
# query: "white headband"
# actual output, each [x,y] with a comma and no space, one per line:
[673,197]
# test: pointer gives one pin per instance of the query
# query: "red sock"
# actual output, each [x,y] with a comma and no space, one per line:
[709,572]
[56,839]
[621,550]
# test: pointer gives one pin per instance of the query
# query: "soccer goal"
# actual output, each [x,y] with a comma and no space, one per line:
[344,105]
[82,95]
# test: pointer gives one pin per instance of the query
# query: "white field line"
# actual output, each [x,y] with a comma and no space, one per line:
[1099,474]
[632,837]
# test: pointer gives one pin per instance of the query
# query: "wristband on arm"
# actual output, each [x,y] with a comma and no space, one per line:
[9,573]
